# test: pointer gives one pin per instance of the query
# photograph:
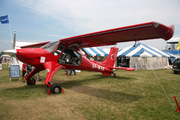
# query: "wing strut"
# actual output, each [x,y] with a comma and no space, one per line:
[135,41]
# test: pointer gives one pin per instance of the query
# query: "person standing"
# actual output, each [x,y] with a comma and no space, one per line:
[73,71]
[23,71]
[66,70]
[99,59]
[29,69]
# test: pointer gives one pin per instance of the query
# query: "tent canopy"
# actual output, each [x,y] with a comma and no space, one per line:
[94,51]
[139,50]
[142,50]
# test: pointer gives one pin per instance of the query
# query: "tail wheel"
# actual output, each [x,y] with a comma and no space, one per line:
[32,82]
[114,74]
[55,89]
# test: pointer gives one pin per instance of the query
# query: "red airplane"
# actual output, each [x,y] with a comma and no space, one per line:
[67,53]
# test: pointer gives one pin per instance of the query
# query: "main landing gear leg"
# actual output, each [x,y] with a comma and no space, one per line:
[52,68]
[29,77]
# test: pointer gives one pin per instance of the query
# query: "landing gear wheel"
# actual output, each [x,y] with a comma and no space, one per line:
[55,89]
[33,81]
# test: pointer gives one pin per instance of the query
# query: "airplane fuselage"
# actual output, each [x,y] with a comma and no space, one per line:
[77,61]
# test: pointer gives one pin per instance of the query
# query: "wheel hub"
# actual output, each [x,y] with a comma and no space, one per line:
[57,90]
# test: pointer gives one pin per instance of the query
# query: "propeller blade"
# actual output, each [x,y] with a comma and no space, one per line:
[12,53]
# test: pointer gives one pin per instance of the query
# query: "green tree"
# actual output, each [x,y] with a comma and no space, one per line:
[2,53]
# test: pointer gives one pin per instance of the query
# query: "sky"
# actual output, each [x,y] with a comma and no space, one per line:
[51,20]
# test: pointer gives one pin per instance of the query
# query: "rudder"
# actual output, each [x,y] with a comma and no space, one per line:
[111,57]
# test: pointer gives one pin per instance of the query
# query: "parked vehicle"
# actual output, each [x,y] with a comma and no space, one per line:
[176,66]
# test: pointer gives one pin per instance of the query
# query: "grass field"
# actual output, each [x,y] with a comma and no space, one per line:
[90,96]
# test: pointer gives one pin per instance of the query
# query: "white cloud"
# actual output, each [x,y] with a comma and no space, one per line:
[84,16]
[93,15]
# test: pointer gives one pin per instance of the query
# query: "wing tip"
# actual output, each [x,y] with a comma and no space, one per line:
[167,32]
[170,32]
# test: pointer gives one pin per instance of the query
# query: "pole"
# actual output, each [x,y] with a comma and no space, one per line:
[10,30]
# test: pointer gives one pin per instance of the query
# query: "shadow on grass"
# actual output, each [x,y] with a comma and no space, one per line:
[77,86]
[80,87]
[95,78]
[106,94]
[24,92]
[117,77]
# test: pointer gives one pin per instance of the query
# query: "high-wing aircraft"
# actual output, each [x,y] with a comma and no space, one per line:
[67,53]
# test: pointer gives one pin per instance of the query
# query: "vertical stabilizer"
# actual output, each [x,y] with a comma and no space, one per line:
[111,57]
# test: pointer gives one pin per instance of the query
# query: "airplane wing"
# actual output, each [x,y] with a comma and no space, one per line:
[144,31]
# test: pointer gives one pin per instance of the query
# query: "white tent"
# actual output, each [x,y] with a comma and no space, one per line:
[145,57]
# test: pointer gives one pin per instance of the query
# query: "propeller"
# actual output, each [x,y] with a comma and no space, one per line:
[12,53]
[14,40]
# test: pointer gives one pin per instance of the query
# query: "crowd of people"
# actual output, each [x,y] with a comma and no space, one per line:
[5,59]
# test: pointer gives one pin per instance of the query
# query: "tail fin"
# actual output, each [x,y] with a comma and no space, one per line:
[111,57]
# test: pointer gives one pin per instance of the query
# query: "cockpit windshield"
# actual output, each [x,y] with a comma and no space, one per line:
[50,46]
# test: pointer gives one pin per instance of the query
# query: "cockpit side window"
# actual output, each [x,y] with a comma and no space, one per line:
[58,50]
[70,56]
[50,46]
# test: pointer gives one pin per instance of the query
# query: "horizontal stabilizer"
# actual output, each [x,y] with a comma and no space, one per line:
[125,68]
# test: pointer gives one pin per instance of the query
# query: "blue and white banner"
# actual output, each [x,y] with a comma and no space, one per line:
[4,19]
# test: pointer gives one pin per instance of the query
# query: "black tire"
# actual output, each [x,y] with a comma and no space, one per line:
[55,89]
[175,72]
[32,79]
